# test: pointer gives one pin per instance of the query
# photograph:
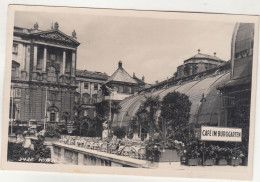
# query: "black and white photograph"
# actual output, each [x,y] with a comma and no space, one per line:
[146,93]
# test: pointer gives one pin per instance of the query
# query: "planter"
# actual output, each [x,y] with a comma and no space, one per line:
[193,162]
[222,162]
[209,162]
[234,162]
[169,155]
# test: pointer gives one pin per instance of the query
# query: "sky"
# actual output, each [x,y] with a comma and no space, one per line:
[149,47]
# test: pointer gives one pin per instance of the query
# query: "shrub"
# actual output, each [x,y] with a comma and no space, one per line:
[51,132]
[92,133]
[119,132]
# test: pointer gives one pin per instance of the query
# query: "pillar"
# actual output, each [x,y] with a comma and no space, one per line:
[35,50]
[73,64]
[63,62]
[80,159]
[44,59]
[62,156]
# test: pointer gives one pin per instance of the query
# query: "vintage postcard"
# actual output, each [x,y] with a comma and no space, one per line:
[125,92]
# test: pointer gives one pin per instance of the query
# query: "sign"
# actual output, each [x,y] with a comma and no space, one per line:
[209,133]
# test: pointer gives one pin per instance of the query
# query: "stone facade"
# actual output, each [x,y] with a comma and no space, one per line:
[88,90]
[43,78]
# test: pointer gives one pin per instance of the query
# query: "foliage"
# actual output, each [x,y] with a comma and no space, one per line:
[147,115]
[193,150]
[17,153]
[103,112]
[75,133]
[119,132]
[167,118]
[51,132]
[64,132]
[175,111]
[152,151]
[241,119]
[91,133]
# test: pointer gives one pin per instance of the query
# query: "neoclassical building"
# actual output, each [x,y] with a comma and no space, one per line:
[43,79]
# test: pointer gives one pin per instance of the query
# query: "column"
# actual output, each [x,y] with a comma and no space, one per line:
[73,63]
[63,62]
[23,58]
[62,156]
[44,59]
[35,48]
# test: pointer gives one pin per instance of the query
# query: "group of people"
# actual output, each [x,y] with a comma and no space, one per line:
[125,147]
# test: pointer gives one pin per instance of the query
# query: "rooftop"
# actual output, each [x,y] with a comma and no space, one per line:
[205,56]
[91,74]
[120,75]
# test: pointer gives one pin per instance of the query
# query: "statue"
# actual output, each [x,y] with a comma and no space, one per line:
[74,34]
[36,26]
[56,25]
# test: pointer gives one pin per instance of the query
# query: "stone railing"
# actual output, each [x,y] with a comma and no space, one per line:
[72,154]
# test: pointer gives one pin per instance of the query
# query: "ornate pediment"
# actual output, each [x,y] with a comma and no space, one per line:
[56,36]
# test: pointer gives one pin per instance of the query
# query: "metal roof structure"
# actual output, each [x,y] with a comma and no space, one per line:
[202,112]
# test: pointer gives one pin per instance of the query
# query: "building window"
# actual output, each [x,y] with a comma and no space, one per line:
[53,96]
[14,72]
[18,92]
[15,48]
[53,116]
[86,98]
[94,98]
[67,66]
[127,89]
[77,97]
[120,89]
[86,85]
[95,86]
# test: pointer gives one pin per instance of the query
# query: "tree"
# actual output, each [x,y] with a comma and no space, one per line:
[175,111]
[147,114]
[81,122]
[163,119]
[103,112]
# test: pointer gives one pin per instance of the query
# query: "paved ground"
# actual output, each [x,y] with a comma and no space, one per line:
[175,170]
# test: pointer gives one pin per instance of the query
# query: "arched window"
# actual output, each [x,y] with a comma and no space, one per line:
[77,97]
[53,114]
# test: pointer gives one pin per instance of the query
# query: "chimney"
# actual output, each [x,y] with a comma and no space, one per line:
[215,54]
[198,51]
[143,78]
[133,74]
[120,64]
[156,82]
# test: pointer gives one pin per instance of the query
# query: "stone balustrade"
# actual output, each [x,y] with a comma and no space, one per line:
[72,154]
